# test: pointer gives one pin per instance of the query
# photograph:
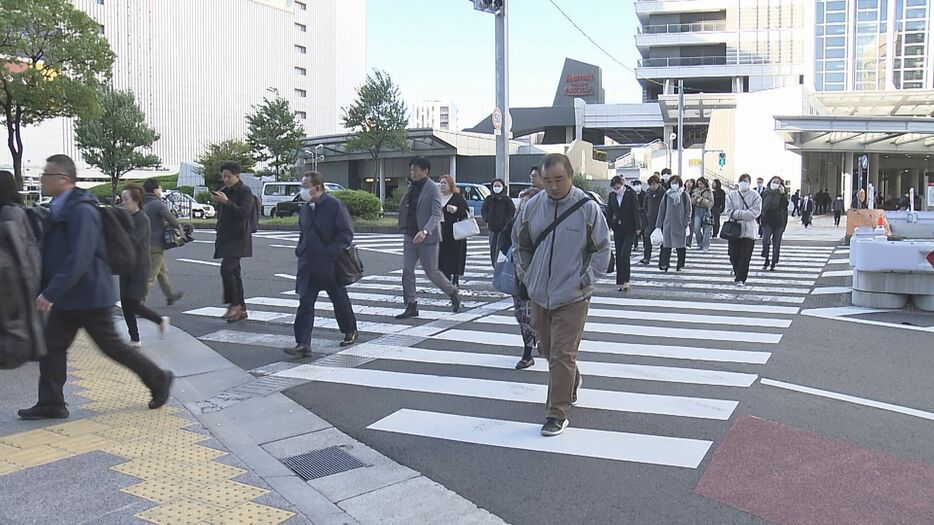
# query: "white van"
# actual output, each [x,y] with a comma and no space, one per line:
[276,192]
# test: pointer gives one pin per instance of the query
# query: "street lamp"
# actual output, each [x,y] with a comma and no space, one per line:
[503,132]
[671,140]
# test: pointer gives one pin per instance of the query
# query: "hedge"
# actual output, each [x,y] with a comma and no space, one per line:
[361,204]
[102,191]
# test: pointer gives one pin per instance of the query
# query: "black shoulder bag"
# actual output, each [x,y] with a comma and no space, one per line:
[731,229]
[348,267]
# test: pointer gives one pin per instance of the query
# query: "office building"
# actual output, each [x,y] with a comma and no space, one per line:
[434,114]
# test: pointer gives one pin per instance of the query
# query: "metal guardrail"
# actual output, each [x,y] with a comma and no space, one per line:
[696,27]
[701,61]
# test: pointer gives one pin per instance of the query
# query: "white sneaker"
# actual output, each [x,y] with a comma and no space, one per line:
[740,284]
[135,344]
[164,325]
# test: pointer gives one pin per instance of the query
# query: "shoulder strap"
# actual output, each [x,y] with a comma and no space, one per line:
[551,227]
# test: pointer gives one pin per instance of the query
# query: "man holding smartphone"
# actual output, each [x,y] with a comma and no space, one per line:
[234,239]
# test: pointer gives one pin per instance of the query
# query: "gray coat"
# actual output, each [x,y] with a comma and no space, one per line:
[134,284]
[427,211]
[674,216]
[159,217]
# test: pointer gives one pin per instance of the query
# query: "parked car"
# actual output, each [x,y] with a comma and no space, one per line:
[185,206]
[276,192]
[289,208]
[474,194]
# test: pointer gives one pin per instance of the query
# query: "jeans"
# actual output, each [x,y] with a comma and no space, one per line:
[740,254]
[159,271]
[772,237]
[305,317]
[664,258]
[700,230]
[623,256]
[559,336]
[132,308]
[233,282]
[427,254]
[60,332]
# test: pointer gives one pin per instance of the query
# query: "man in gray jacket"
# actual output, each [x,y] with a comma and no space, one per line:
[159,216]
[420,223]
[556,260]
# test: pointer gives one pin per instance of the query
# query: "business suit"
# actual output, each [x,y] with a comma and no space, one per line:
[425,215]
[625,217]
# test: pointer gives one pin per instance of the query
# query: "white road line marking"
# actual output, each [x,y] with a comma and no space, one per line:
[677,317]
[397,299]
[196,241]
[839,261]
[666,374]
[289,319]
[690,305]
[477,337]
[850,399]
[837,273]
[694,407]
[325,304]
[211,311]
[370,285]
[250,338]
[706,277]
[602,444]
[193,261]
[840,314]
[831,290]
[286,276]
[289,246]
[723,287]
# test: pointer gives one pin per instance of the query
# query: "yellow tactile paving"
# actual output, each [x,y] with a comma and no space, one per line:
[178,473]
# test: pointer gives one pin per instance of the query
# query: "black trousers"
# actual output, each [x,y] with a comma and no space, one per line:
[664,257]
[740,254]
[133,308]
[772,238]
[647,244]
[60,331]
[716,225]
[233,282]
[836,218]
[623,254]
[305,317]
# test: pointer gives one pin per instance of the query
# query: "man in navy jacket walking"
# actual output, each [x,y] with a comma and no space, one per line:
[77,292]
[326,230]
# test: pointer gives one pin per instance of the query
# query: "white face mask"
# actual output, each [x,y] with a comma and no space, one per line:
[497,189]
[666,177]
[774,185]
[675,186]
[743,185]
[637,189]
[305,194]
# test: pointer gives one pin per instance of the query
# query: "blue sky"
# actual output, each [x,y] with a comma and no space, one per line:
[444,49]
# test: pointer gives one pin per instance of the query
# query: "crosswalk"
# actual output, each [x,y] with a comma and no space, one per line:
[679,347]
[386,243]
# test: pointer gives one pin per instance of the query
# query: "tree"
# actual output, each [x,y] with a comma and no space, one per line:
[52,61]
[117,141]
[274,135]
[379,119]
[215,154]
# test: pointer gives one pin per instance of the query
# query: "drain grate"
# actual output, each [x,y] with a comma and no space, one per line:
[321,463]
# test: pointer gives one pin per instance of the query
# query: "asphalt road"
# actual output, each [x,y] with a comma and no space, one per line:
[690,369]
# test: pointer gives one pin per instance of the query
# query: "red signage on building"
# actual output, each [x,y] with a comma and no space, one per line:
[578,85]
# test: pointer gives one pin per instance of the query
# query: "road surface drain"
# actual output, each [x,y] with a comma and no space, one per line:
[321,463]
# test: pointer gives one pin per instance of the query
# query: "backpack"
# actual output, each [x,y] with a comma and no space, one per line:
[118,236]
[254,215]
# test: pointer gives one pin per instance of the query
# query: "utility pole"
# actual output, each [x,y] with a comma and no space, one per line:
[504,130]
[681,128]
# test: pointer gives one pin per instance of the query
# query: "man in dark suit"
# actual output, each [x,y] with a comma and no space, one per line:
[624,215]
[234,239]
[326,230]
[78,292]
[420,223]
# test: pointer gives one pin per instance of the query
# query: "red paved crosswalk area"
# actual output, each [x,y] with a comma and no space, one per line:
[789,476]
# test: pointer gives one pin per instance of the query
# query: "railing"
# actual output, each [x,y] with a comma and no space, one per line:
[701,61]
[696,27]
[711,175]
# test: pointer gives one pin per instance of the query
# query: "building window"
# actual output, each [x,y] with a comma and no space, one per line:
[100,2]
[102,29]
[301,115]
[302,50]
[302,6]
[301,93]
[300,71]
[301,27]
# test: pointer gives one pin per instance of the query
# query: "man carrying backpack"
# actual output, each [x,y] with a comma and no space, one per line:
[77,292]
[234,240]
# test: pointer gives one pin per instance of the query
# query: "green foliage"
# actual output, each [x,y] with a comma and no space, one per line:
[188,190]
[599,155]
[203,197]
[60,58]
[103,191]
[378,117]
[582,182]
[361,204]
[117,140]
[395,196]
[275,135]
[215,154]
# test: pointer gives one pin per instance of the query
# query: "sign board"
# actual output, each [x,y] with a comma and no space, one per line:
[868,218]
[497,119]
[694,163]
[864,161]
[578,85]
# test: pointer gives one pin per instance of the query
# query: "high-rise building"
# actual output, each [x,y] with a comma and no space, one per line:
[197,67]
[435,114]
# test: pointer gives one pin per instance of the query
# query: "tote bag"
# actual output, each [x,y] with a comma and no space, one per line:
[504,275]
[466,228]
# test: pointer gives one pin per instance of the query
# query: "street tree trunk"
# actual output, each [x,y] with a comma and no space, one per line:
[15,141]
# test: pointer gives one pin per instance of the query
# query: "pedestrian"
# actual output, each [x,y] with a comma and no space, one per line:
[573,237]
[326,231]
[497,211]
[452,255]
[795,201]
[689,189]
[625,218]
[133,285]
[774,219]
[760,185]
[719,204]
[743,205]
[28,225]
[159,217]
[522,306]
[807,210]
[653,199]
[674,216]
[702,201]
[77,292]
[234,240]
[666,177]
[825,201]
[904,202]
[636,186]
[837,209]
[420,222]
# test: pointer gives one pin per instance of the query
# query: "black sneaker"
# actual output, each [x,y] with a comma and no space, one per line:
[580,381]
[554,426]
[349,339]
[644,262]
[174,298]
[298,351]
[38,412]
[161,396]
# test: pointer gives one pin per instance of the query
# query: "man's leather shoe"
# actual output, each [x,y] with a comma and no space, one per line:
[174,298]
[38,412]
[160,396]
[456,302]
[411,310]
[350,339]
[298,351]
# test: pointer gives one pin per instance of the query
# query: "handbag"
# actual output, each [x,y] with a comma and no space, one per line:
[175,238]
[504,276]
[732,229]
[348,267]
[466,228]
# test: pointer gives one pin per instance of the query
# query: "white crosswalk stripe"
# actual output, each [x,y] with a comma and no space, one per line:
[693,339]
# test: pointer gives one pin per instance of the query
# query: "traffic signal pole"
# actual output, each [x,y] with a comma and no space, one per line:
[502,93]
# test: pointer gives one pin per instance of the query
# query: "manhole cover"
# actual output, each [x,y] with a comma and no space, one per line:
[321,463]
